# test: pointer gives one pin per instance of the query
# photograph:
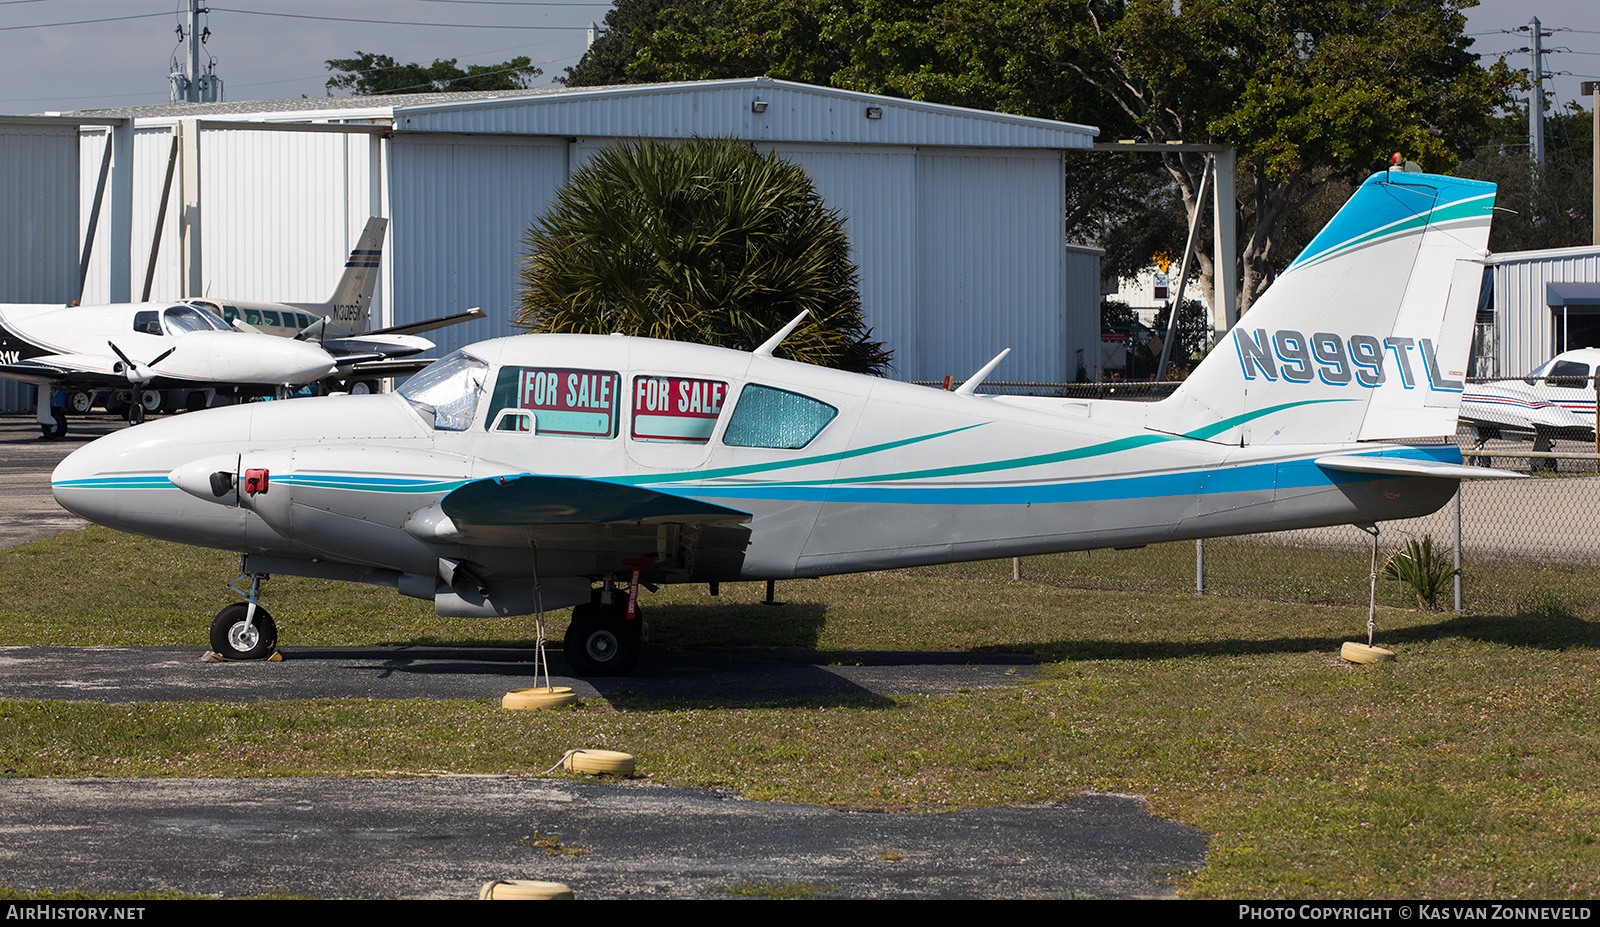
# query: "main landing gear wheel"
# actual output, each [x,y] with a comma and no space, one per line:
[601,641]
[230,639]
[56,431]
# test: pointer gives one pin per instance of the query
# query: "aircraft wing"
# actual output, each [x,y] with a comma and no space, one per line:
[377,369]
[428,325]
[1406,466]
[606,523]
[564,500]
[56,370]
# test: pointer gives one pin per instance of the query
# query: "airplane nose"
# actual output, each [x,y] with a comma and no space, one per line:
[124,480]
[301,361]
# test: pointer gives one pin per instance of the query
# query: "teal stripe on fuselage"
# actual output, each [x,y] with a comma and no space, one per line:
[1262,477]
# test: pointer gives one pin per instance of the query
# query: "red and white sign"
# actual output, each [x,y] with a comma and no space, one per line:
[676,408]
[569,402]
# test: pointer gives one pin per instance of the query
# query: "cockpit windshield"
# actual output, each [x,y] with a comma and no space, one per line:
[179,320]
[448,390]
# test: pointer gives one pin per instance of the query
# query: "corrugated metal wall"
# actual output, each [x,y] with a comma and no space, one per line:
[992,265]
[793,113]
[280,211]
[39,234]
[876,190]
[460,207]
[1525,324]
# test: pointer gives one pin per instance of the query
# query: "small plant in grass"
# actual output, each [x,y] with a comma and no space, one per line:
[1426,570]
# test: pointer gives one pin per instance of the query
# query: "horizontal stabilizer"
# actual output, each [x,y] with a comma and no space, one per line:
[1407,466]
[560,500]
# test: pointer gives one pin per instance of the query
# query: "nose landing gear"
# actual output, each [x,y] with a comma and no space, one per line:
[245,630]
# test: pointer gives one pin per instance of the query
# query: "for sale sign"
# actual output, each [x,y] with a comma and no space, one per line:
[676,408]
[578,403]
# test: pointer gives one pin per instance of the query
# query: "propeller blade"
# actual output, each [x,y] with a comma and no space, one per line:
[162,356]
[124,357]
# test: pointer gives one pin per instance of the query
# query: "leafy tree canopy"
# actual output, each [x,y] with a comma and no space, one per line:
[705,241]
[1550,206]
[1307,91]
[369,74]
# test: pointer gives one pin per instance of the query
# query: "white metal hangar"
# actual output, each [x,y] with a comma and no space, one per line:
[955,215]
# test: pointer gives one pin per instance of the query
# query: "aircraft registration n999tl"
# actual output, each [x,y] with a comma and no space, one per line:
[518,473]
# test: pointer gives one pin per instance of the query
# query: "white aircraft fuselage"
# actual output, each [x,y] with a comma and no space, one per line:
[73,344]
[517,472]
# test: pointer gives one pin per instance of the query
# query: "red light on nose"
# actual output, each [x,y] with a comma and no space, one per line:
[255,481]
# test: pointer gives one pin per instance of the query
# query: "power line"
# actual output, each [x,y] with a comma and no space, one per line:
[83,22]
[389,22]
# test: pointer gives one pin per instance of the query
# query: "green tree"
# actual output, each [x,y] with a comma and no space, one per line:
[1307,91]
[706,241]
[369,74]
[1549,205]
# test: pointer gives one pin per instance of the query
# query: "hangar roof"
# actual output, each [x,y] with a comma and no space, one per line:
[756,109]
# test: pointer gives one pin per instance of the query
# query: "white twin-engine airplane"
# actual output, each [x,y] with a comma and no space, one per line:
[517,474]
[146,348]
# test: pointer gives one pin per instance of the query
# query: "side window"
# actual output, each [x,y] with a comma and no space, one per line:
[767,417]
[147,321]
[555,401]
[1569,369]
[676,409]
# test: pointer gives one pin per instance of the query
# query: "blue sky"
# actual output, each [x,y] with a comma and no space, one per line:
[276,49]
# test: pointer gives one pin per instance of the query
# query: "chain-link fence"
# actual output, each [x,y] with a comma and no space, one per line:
[1526,547]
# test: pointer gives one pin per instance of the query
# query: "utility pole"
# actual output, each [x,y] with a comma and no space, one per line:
[1536,93]
[195,86]
[194,51]
[1592,89]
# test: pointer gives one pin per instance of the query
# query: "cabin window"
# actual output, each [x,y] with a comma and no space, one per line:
[1569,369]
[146,321]
[555,401]
[768,417]
[448,390]
[676,409]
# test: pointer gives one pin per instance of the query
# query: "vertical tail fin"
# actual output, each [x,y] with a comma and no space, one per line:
[1364,337]
[352,297]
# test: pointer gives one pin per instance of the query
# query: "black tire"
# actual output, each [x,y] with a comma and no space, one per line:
[227,643]
[57,431]
[602,642]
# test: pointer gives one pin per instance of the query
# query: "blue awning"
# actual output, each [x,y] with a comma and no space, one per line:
[1572,294]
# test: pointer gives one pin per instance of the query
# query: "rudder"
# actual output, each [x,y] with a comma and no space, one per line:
[1364,336]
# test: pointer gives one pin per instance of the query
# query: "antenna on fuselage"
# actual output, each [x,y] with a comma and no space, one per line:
[771,344]
[967,388]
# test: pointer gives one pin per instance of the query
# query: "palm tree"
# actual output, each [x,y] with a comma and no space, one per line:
[706,241]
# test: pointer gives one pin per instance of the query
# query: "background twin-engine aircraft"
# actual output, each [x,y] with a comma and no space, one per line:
[203,345]
[1556,400]
[547,471]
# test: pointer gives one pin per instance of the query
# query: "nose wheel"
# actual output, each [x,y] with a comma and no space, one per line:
[244,630]
[236,637]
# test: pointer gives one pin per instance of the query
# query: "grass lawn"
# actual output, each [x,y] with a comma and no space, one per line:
[1466,769]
